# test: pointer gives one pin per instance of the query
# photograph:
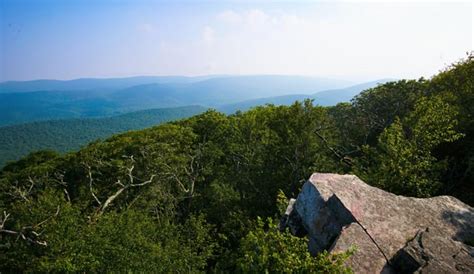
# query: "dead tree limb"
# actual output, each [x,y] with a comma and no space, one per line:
[60,180]
[27,233]
[19,192]
[346,160]
[91,181]
[129,183]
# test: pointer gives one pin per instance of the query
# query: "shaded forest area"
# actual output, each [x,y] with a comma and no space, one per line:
[202,194]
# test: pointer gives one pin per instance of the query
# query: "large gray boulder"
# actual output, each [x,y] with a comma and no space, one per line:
[392,234]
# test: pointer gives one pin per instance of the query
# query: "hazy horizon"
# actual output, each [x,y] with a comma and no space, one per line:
[356,41]
[205,77]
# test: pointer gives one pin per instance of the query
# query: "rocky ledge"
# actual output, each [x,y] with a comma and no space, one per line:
[391,234]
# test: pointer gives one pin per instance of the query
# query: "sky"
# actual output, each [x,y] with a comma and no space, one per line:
[354,40]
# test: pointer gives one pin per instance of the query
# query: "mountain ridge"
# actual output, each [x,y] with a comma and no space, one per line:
[101,101]
[323,98]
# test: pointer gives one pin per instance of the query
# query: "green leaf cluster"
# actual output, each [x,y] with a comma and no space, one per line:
[266,250]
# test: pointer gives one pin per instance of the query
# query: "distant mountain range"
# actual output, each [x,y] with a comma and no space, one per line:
[23,102]
[67,135]
[94,83]
[66,115]
[323,98]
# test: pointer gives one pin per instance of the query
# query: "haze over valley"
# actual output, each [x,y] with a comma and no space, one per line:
[48,99]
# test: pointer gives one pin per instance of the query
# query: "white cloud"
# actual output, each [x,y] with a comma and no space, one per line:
[256,17]
[230,16]
[208,35]
[358,39]
[357,42]
[253,17]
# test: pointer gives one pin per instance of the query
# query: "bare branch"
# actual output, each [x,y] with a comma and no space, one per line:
[21,192]
[3,220]
[144,183]
[129,182]
[341,157]
[67,195]
[180,183]
[47,219]
[130,173]
[89,173]
[110,200]
[119,183]
[31,186]
[27,233]
[61,182]
[123,187]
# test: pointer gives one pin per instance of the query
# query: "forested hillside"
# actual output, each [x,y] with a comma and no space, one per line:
[68,135]
[202,194]
[23,102]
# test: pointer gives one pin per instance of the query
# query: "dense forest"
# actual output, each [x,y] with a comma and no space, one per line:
[71,134]
[204,193]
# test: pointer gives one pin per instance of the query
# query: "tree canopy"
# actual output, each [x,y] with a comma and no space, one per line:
[190,195]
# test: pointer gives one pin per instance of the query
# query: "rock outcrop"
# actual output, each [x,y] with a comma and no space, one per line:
[392,234]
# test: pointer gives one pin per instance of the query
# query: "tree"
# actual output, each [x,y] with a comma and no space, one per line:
[403,160]
[270,251]
[377,108]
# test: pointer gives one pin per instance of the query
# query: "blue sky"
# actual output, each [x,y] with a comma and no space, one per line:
[351,40]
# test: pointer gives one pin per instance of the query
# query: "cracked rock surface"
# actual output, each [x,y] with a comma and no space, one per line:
[392,234]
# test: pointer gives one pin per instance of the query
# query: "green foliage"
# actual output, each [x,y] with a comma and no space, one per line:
[375,109]
[413,137]
[68,135]
[266,250]
[123,242]
[184,196]
[140,191]
[403,161]
[282,202]
[274,148]
[456,85]
[32,159]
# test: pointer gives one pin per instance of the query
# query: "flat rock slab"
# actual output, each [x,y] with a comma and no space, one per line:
[339,210]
